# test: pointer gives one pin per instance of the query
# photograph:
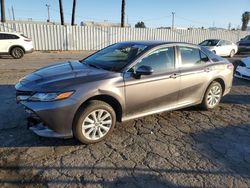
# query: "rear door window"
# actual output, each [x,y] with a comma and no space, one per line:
[5,36]
[192,57]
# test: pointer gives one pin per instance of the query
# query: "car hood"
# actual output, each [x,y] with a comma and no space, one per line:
[60,76]
[246,61]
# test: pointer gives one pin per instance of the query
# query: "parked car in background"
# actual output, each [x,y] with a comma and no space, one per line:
[244,44]
[243,69]
[15,44]
[124,81]
[220,47]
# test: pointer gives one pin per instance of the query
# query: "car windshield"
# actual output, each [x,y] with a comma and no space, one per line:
[209,43]
[115,57]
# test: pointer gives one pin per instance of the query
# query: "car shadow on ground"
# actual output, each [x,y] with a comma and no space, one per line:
[6,57]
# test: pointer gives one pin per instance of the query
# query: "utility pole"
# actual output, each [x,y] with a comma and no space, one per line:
[3,19]
[73,13]
[61,12]
[123,14]
[48,6]
[13,13]
[173,14]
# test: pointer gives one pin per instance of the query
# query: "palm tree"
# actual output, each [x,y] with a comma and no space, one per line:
[3,19]
[73,13]
[61,12]
[123,14]
[245,19]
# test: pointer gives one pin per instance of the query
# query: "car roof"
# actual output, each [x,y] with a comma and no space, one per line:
[154,43]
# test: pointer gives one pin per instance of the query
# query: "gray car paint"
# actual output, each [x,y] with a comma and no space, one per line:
[150,94]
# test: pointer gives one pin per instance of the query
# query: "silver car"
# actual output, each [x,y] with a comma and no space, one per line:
[124,81]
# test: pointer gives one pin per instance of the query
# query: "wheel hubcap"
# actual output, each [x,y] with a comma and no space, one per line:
[17,53]
[97,124]
[214,96]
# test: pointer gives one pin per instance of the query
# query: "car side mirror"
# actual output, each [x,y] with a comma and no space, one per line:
[144,70]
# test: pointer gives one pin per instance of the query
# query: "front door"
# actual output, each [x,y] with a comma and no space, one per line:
[153,93]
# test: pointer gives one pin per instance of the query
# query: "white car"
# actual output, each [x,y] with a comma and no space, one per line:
[15,44]
[220,47]
[243,69]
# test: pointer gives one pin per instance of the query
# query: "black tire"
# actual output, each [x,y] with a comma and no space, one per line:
[205,103]
[92,107]
[17,52]
[232,53]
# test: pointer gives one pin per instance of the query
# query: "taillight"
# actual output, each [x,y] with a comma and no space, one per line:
[230,66]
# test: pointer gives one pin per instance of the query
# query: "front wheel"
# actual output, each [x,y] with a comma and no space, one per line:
[212,96]
[94,123]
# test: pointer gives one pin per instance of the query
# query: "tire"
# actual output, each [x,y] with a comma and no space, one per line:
[212,96]
[232,53]
[99,120]
[17,52]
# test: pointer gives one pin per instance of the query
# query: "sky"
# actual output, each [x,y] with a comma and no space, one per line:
[154,13]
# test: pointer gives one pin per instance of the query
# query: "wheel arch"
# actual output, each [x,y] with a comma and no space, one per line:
[19,46]
[112,101]
[219,80]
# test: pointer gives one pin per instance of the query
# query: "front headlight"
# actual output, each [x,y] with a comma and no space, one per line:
[46,97]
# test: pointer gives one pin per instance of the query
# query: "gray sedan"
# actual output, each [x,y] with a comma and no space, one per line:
[124,81]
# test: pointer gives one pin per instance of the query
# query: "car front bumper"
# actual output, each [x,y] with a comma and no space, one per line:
[51,119]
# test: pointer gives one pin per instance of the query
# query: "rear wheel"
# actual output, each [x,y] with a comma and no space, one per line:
[212,96]
[17,52]
[94,123]
[232,53]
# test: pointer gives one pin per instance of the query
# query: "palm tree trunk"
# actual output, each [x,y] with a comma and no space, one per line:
[123,14]
[3,19]
[61,12]
[73,13]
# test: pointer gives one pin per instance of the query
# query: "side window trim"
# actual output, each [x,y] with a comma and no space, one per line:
[158,50]
[179,58]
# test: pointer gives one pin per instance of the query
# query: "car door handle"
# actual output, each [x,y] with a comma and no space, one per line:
[174,76]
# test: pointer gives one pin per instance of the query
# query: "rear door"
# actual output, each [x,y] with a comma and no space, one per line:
[153,93]
[3,43]
[6,40]
[194,74]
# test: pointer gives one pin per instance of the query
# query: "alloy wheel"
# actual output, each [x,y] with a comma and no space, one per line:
[214,96]
[97,124]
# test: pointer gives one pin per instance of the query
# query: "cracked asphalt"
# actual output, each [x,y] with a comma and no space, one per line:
[184,148]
